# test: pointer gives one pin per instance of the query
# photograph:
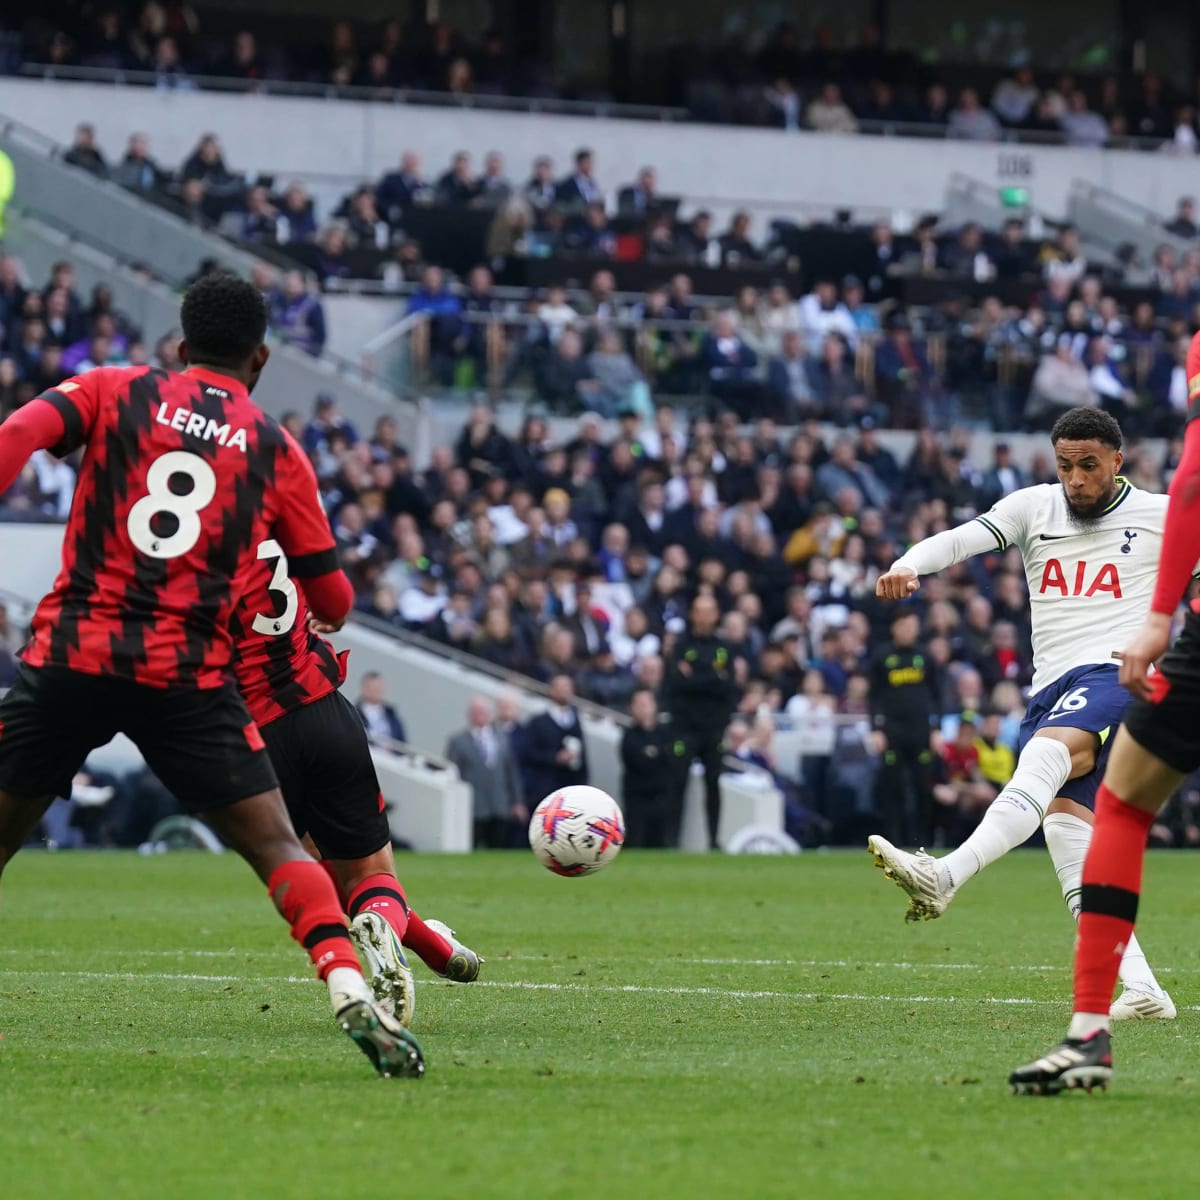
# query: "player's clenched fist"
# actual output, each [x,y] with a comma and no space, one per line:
[897,584]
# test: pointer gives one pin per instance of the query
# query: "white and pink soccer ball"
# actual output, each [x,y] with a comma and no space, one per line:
[576,830]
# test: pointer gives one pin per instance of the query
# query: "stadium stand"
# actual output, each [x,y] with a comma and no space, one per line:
[697,405]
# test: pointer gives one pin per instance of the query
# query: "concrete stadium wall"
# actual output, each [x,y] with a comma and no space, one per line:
[768,171]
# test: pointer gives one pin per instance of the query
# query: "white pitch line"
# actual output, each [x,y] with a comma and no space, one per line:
[58,953]
[813,962]
[827,963]
[529,985]
[608,988]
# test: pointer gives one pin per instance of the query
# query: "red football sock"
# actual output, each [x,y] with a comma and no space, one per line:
[1112,884]
[433,949]
[327,867]
[309,904]
[380,894]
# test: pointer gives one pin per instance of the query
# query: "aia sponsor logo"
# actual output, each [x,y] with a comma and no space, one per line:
[1085,580]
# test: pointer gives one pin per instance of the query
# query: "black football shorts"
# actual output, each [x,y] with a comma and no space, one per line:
[1168,725]
[323,760]
[201,743]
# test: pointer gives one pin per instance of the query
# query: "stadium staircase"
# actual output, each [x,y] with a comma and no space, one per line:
[1108,221]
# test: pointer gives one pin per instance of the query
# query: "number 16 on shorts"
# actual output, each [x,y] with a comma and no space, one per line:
[1069,702]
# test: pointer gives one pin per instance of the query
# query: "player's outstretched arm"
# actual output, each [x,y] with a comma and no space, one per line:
[934,554]
[37,425]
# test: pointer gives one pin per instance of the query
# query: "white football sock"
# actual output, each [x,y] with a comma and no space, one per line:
[1083,1025]
[1067,839]
[1015,814]
[345,984]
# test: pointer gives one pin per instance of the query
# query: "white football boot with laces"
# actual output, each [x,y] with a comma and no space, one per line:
[917,874]
[1138,1004]
[388,971]
[464,963]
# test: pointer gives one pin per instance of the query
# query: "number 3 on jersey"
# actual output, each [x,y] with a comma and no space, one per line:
[161,501]
[280,585]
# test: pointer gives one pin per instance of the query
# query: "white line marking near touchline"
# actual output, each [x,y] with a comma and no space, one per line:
[529,985]
[813,962]
[548,960]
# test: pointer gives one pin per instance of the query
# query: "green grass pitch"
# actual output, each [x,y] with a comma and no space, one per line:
[676,1026]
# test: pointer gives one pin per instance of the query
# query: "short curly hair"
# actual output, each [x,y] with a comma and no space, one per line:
[224,319]
[1085,424]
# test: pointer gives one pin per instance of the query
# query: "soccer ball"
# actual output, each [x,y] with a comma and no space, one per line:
[576,830]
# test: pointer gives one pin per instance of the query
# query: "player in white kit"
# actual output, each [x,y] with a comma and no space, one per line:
[1090,549]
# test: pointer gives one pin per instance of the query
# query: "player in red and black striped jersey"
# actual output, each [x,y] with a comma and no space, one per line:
[183,478]
[289,676]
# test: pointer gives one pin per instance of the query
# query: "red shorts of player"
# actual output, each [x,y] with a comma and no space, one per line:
[201,743]
[323,760]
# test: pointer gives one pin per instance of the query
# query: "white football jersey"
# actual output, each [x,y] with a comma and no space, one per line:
[1089,587]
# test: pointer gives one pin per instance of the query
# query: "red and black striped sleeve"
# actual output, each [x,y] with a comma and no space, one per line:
[77,401]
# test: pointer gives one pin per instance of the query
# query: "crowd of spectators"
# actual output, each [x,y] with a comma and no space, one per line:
[1110,332]
[581,557]
[767,76]
[833,355]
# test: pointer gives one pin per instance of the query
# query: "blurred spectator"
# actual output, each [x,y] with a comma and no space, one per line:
[736,246]
[1183,224]
[1082,126]
[621,385]
[822,312]
[729,365]
[444,310]
[580,188]
[401,190]
[297,316]
[905,380]
[379,718]
[137,171]
[904,704]
[829,113]
[1060,382]
[1014,97]
[649,781]
[84,152]
[701,694]
[970,120]
[484,758]
[541,191]
[783,105]
[641,197]
[458,186]
[551,750]
[1063,258]
[788,378]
